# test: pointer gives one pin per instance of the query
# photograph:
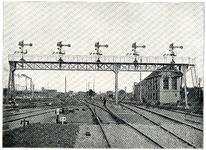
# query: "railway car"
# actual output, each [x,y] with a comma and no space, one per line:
[161,86]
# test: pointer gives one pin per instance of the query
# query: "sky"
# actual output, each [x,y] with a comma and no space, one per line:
[118,24]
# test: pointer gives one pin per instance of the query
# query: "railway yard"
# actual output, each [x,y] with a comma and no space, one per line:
[89,124]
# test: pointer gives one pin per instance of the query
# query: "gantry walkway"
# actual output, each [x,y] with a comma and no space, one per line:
[91,63]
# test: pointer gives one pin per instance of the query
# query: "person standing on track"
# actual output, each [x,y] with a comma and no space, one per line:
[105,101]
[57,113]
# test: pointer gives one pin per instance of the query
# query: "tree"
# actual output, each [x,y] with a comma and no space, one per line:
[121,94]
[91,93]
[109,94]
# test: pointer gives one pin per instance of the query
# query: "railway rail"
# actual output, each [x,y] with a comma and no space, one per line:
[100,125]
[16,114]
[171,110]
[173,135]
[26,116]
[129,124]
[167,117]
[194,136]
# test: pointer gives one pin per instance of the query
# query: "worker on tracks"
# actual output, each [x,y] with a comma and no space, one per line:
[105,101]
[57,113]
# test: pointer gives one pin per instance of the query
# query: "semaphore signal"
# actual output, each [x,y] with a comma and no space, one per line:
[21,43]
[172,51]
[135,53]
[60,45]
[97,46]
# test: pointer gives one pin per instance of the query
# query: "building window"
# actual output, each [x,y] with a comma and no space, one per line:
[166,83]
[174,83]
[154,96]
[150,86]
[155,83]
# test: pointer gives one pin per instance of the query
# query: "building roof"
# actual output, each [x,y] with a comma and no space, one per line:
[159,72]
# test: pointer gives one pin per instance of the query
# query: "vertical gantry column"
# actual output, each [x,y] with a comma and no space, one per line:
[116,71]
[11,86]
[140,92]
[185,85]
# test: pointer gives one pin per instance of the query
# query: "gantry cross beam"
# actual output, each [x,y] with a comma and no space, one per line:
[90,63]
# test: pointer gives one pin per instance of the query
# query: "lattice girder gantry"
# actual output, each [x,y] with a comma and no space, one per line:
[81,66]
[90,63]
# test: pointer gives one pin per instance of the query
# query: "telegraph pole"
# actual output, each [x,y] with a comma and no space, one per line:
[94,84]
[199,94]
[65,85]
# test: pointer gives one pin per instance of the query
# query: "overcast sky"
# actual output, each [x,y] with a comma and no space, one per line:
[81,24]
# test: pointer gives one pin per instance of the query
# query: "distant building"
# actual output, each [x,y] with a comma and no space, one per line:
[162,85]
[50,93]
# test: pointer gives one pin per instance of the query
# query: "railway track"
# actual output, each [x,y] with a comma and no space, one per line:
[166,117]
[25,115]
[149,140]
[152,115]
[100,125]
[16,114]
[169,110]
[164,132]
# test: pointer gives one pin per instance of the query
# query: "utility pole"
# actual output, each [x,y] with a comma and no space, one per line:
[199,94]
[26,85]
[88,86]
[65,85]
[94,84]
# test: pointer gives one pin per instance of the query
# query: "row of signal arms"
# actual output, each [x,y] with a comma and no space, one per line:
[97,46]
[60,45]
